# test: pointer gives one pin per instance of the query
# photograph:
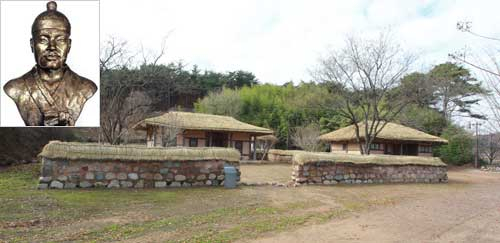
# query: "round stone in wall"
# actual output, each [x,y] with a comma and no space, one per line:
[121,176]
[85,184]
[113,184]
[56,185]
[133,176]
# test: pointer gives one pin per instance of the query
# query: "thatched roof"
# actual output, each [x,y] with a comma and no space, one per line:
[309,157]
[95,151]
[200,121]
[391,131]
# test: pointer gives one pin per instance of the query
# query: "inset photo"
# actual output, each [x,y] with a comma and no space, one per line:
[49,69]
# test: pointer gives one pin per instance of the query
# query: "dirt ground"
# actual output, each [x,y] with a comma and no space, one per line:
[466,209]
[259,173]
[468,214]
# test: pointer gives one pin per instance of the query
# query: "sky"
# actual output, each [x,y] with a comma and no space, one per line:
[281,40]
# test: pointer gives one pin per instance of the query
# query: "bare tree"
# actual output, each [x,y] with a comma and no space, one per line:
[489,147]
[122,98]
[307,137]
[169,134]
[265,143]
[490,71]
[114,54]
[364,74]
[493,98]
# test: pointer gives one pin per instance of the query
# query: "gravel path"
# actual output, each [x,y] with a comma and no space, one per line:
[470,214]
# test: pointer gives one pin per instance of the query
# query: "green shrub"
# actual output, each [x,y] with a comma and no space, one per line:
[459,149]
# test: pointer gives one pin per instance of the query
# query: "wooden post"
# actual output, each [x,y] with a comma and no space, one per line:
[154,136]
[161,137]
[254,156]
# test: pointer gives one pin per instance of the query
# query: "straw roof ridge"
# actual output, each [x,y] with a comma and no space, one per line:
[95,151]
[201,121]
[391,131]
[310,157]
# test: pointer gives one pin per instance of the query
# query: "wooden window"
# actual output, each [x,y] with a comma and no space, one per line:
[375,146]
[193,142]
[344,146]
[424,149]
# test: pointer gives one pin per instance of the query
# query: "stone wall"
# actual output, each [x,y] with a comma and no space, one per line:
[129,174]
[71,165]
[492,168]
[350,173]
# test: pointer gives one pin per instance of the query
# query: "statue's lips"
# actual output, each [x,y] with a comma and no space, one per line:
[52,57]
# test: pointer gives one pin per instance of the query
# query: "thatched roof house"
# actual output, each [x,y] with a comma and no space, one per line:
[201,130]
[394,139]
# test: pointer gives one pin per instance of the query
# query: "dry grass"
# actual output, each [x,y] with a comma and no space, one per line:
[189,214]
[200,121]
[309,157]
[270,138]
[284,152]
[94,151]
[391,131]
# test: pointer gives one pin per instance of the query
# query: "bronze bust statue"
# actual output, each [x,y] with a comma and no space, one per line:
[50,94]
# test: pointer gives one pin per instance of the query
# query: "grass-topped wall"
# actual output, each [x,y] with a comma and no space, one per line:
[330,168]
[94,151]
[281,156]
[70,165]
[375,159]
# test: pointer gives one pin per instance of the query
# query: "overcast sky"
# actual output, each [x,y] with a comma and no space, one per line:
[280,41]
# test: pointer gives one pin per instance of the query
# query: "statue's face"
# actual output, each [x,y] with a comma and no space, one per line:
[51,47]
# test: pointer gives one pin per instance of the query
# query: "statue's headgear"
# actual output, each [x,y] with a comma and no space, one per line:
[52,19]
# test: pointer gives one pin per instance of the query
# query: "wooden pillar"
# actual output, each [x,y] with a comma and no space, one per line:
[154,136]
[148,135]
[254,152]
[161,137]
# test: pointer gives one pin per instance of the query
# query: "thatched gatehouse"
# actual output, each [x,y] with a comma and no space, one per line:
[393,139]
[189,129]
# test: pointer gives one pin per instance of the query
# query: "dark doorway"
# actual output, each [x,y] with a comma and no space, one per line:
[218,139]
[394,149]
[410,149]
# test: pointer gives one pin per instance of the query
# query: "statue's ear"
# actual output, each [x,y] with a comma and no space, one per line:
[32,44]
[69,44]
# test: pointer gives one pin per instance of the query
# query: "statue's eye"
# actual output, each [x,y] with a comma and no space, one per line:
[61,40]
[43,40]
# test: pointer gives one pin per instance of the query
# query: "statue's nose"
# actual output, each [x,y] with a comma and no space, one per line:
[52,45]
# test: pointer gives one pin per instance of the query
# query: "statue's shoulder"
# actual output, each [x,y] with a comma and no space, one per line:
[85,86]
[18,86]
